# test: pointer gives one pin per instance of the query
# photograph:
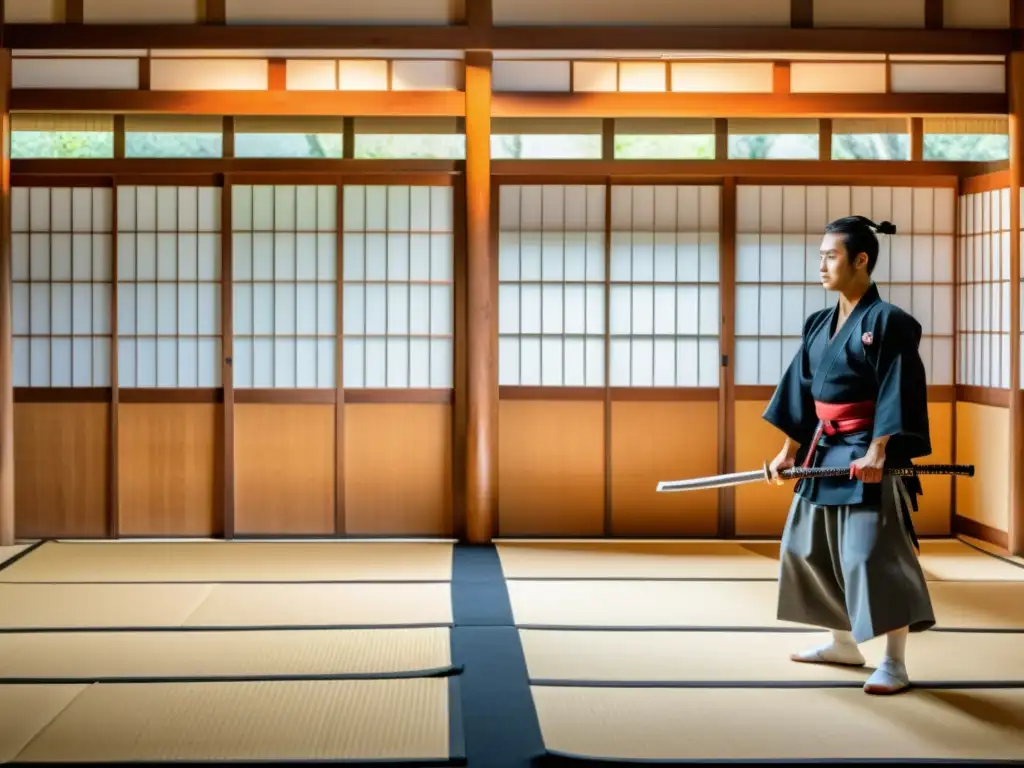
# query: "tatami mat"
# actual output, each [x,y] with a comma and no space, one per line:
[780,724]
[728,604]
[758,657]
[6,553]
[221,561]
[96,656]
[942,560]
[26,709]
[223,605]
[648,560]
[324,604]
[98,605]
[326,720]
[956,561]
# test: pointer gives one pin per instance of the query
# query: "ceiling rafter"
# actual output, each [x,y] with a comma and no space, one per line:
[479,36]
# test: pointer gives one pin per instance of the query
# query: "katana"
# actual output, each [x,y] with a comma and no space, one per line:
[764,475]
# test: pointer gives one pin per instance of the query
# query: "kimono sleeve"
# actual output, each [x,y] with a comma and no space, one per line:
[791,409]
[901,408]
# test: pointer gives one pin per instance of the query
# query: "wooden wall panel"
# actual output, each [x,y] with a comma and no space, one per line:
[934,516]
[61,469]
[761,509]
[167,469]
[284,469]
[550,468]
[983,439]
[663,441]
[398,469]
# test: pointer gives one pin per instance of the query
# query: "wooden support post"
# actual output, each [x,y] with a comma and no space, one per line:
[481,346]
[6,315]
[1015,539]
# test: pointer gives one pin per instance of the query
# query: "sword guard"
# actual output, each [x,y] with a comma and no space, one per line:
[767,473]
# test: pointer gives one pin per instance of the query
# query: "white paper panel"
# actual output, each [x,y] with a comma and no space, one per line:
[398,333]
[168,286]
[61,288]
[914,268]
[551,285]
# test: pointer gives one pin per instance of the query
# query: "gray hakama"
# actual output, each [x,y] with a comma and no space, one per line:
[847,557]
[853,568]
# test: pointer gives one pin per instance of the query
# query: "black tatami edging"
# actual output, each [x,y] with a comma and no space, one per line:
[501,725]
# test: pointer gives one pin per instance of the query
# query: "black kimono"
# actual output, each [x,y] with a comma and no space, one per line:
[845,539]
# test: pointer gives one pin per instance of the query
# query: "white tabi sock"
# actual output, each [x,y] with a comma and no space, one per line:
[896,645]
[891,675]
[842,650]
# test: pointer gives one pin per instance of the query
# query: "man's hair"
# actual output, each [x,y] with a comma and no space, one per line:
[859,235]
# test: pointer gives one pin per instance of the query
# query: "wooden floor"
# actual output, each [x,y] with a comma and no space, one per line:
[375,651]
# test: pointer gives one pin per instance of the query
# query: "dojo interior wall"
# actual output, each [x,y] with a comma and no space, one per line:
[181,268]
[608,326]
[983,423]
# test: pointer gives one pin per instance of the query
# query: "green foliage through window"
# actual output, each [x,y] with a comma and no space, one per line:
[297,145]
[966,147]
[871,146]
[665,147]
[173,145]
[798,146]
[62,144]
[428,146]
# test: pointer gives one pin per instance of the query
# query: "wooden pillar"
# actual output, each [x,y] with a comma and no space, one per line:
[6,314]
[481,344]
[1015,539]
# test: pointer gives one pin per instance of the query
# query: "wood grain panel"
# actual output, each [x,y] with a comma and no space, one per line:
[398,469]
[550,468]
[935,514]
[983,439]
[761,509]
[61,469]
[663,441]
[284,469]
[167,469]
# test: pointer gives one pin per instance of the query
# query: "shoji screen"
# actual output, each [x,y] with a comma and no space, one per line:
[983,316]
[62,275]
[168,287]
[284,262]
[551,286]
[399,247]
[62,267]
[664,319]
[779,231]
[983,429]
[551,325]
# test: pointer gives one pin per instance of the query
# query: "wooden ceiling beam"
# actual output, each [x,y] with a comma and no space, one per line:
[453,103]
[233,36]
[479,36]
[347,103]
[745,104]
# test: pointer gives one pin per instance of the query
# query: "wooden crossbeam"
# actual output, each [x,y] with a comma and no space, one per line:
[480,36]
[279,102]
[453,103]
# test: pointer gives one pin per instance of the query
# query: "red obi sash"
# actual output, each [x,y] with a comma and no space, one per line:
[840,419]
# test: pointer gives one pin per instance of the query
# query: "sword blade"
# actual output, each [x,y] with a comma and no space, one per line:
[715,481]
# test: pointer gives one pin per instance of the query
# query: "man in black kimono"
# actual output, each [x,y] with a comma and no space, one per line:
[854,396]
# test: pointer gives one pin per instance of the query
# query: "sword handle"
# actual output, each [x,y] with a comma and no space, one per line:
[798,473]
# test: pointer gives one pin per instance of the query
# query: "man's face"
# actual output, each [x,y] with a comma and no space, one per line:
[836,268]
